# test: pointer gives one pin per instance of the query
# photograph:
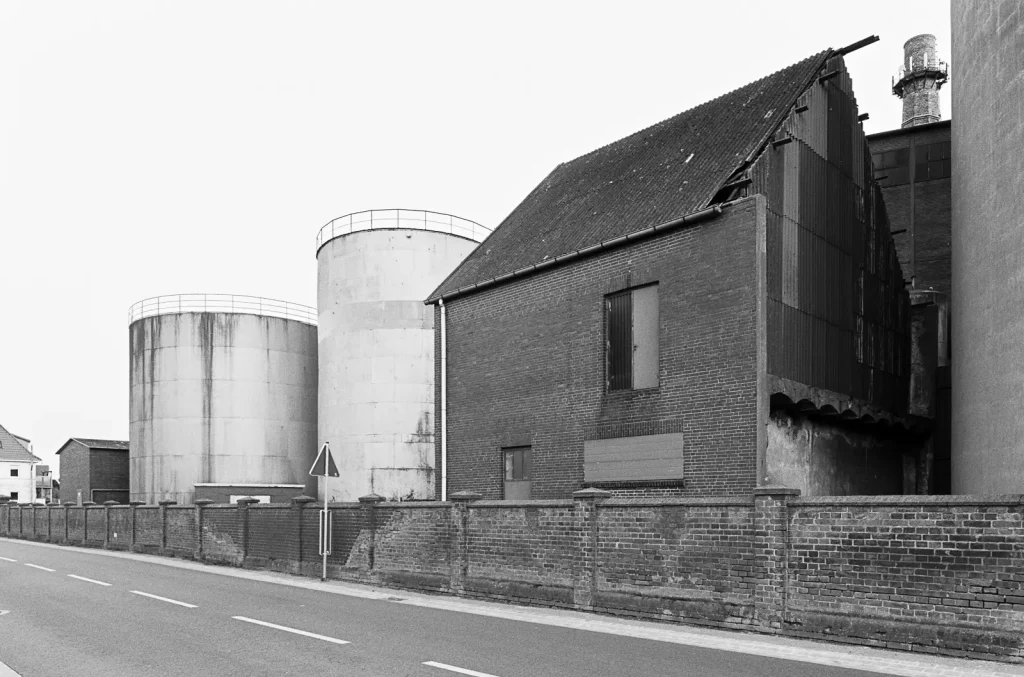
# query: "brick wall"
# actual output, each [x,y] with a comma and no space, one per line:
[74,472]
[936,574]
[526,363]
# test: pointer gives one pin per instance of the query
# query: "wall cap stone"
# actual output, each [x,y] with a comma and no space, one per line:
[776,491]
[111,502]
[302,500]
[167,501]
[371,498]
[85,504]
[465,496]
[247,501]
[591,494]
[913,500]
[134,503]
[202,502]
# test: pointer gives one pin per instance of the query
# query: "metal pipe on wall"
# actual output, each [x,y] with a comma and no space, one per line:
[444,404]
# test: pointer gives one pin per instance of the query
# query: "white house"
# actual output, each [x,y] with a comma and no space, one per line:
[17,469]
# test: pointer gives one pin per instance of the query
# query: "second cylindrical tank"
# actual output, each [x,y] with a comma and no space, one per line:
[376,346]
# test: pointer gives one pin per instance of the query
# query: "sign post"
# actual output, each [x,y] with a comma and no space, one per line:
[324,467]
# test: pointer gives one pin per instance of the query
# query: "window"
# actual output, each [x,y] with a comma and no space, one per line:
[14,495]
[517,464]
[932,161]
[631,336]
[517,473]
[893,165]
[14,472]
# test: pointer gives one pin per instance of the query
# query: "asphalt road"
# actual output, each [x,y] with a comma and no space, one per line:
[85,614]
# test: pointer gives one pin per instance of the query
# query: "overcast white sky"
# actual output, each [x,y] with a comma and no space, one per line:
[152,148]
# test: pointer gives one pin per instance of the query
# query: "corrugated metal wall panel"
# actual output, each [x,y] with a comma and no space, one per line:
[836,302]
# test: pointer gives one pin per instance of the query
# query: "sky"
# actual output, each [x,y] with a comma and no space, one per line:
[151,148]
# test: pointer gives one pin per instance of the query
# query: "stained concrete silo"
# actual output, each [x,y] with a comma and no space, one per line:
[223,393]
[376,346]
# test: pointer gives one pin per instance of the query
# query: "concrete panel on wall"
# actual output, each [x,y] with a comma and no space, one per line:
[644,457]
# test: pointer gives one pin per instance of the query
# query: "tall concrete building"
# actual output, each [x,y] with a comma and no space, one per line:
[988,247]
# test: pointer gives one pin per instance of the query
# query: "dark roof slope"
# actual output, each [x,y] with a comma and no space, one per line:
[116,445]
[653,176]
[13,451]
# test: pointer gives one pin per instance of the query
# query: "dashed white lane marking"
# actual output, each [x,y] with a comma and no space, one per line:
[8,559]
[164,599]
[292,630]
[461,671]
[36,566]
[88,580]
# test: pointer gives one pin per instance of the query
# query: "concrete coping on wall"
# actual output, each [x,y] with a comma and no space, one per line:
[167,502]
[652,502]
[202,502]
[302,500]
[776,490]
[372,498]
[136,503]
[526,503]
[110,503]
[911,500]
[86,504]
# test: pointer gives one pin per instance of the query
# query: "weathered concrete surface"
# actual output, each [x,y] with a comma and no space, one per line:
[220,397]
[988,247]
[376,347]
[824,459]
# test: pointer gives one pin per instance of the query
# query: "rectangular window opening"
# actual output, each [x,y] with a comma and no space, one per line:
[14,472]
[631,338]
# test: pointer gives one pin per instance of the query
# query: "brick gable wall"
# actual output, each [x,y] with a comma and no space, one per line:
[526,363]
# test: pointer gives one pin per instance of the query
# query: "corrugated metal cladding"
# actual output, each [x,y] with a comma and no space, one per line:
[838,313]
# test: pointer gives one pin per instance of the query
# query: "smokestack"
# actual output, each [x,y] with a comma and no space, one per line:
[918,81]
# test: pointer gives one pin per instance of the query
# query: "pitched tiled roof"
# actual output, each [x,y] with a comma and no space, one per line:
[12,450]
[117,445]
[656,175]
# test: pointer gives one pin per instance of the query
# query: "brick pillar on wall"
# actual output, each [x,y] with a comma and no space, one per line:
[199,503]
[163,522]
[584,575]
[367,503]
[67,529]
[106,522]
[243,518]
[134,511]
[771,550]
[459,520]
[299,504]
[85,520]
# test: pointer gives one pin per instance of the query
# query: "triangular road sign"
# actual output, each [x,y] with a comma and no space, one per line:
[324,466]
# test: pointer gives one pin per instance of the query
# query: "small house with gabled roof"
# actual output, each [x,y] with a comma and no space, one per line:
[17,468]
[708,305]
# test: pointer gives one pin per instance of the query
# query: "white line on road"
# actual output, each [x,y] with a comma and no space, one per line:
[88,580]
[292,630]
[461,671]
[164,599]
[36,566]
[8,559]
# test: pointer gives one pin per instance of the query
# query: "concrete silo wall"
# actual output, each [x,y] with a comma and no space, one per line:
[376,347]
[220,397]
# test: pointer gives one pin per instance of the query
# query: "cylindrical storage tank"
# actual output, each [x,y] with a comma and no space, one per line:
[376,346]
[222,390]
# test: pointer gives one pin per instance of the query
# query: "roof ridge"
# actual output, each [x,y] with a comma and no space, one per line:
[825,52]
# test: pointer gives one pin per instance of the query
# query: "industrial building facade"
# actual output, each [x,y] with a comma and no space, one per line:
[748,237]
[94,470]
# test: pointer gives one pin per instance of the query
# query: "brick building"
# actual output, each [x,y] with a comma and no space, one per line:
[94,470]
[708,305]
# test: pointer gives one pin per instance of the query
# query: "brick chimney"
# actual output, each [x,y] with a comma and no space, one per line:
[918,81]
